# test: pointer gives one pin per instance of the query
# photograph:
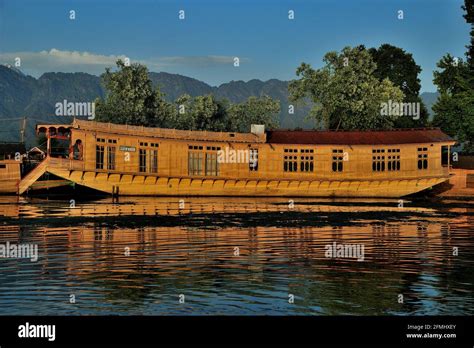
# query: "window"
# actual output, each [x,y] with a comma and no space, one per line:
[290,163]
[337,160]
[212,167]
[253,160]
[3,166]
[154,161]
[378,160]
[422,158]
[444,156]
[142,158]
[77,150]
[100,140]
[306,163]
[393,161]
[99,157]
[111,157]
[195,160]
[202,160]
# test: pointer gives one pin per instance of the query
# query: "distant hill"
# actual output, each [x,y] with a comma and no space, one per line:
[25,96]
[429,98]
[174,85]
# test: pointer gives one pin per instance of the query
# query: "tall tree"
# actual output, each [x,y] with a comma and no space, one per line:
[454,109]
[400,68]
[345,91]
[200,113]
[469,17]
[263,110]
[450,78]
[131,99]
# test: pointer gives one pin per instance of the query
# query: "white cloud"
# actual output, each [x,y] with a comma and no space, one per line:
[54,60]
[200,60]
[57,60]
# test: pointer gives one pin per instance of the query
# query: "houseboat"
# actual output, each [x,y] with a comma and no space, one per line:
[134,160]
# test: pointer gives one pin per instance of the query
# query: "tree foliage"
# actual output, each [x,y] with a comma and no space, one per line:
[454,109]
[345,91]
[131,99]
[200,113]
[254,111]
[469,17]
[399,67]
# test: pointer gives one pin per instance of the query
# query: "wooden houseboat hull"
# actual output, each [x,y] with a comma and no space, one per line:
[145,185]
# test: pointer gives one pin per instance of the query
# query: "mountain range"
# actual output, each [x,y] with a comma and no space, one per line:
[25,96]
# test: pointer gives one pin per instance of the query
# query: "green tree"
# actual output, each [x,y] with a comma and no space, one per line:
[131,99]
[469,17]
[454,109]
[400,68]
[200,113]
[263,110]
[345,91]
[451,76]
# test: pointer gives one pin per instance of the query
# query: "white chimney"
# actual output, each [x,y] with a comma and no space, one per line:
[257,129]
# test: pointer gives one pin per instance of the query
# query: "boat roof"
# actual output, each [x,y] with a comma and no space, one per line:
[366,137]
[162,133]
[167,133]
[278,136]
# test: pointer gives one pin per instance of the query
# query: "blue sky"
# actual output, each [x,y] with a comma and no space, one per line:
[203,45]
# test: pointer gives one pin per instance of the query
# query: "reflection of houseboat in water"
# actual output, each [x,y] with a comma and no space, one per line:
[133,160]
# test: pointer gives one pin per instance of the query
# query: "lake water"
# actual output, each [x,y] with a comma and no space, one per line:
[243,256]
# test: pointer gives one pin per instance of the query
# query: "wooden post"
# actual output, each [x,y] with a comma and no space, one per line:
[115,193]
[48,143]
[23,130]
[449,158]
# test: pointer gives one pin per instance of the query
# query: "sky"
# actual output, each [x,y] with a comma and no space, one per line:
[213,33]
